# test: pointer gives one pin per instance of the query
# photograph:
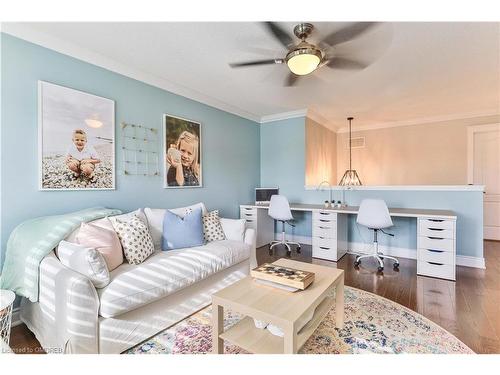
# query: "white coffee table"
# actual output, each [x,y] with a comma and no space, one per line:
[287,310]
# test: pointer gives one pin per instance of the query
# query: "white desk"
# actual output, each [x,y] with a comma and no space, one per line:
[436,233]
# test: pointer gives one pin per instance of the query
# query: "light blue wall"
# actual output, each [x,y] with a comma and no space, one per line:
[282,156]
[230,143]
[235,153]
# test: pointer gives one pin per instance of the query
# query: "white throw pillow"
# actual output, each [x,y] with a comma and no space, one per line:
[134,237]
[154,217]
[85,260]
[234,229]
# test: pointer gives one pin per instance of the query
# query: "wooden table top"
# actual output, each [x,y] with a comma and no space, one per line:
[275,305]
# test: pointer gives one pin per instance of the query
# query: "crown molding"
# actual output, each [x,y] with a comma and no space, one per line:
[56,44]
[318,118]
[421,121]
[283,116]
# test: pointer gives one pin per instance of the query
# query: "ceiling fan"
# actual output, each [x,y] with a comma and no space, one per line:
[303,57]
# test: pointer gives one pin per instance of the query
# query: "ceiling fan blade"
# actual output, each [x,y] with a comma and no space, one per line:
[256,62]
[291,79]
[342,63]
[348,33]
[279,34]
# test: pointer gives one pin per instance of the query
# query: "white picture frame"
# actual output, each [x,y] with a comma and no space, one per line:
[62,111]
[173,127]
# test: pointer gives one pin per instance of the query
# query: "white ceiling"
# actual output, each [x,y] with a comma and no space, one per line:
[419,70]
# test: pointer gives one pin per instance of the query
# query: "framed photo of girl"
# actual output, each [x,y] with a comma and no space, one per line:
[76,139]
[181,152]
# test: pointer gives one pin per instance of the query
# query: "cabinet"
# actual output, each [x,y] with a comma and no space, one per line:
[329,235]
[260,221]
[436,247]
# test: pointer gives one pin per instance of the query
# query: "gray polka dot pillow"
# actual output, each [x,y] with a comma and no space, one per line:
[135,238]
[212,228]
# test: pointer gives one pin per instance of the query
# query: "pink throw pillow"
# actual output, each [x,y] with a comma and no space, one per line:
[103,240]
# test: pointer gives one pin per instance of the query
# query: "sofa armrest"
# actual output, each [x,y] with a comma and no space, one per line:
[250,239]
[69,300]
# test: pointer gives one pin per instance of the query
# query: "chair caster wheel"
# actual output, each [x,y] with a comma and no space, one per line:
[396,266]
[380,269]
[270,252]
[356,263]
[298,249]
[288,253]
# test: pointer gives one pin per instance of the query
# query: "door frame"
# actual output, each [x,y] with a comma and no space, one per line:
[471,130]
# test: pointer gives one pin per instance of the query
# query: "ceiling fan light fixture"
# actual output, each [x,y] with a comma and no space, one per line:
[303,61]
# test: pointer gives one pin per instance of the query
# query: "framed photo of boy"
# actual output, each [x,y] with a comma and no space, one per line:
[181,152]
[76,139]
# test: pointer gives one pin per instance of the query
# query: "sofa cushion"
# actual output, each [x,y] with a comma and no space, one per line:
[180,233]
[102,223]
[105,223]
[234,229]
[103,240]
[166,272]
[85,260]
[135,239]
[212,229]
[155,219]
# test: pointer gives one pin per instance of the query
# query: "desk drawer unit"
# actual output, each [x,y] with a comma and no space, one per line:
[329,235]
[248,212]
[324,225]
[260,221]
[436,247]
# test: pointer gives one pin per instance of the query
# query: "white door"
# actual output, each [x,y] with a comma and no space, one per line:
[486,171]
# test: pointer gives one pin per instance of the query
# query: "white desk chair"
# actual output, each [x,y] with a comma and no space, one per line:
[279,209]
[374,214]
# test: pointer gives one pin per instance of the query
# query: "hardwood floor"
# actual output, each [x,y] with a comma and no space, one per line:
[469,308]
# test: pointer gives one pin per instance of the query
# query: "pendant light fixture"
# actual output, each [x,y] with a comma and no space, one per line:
[350,177]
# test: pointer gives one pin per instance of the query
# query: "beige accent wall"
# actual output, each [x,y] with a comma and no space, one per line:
[321,154]
[430,154]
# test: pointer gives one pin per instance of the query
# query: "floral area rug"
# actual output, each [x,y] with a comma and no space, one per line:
[373,324]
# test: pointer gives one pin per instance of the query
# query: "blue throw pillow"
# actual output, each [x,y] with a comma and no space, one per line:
[181,232]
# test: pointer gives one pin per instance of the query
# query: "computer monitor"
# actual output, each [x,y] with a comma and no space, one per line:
[263,195]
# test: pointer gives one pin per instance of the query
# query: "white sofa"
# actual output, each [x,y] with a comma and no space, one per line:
[72,316]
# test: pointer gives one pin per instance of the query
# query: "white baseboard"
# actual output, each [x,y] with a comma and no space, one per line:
[399,252]
[468,261]
[16,317]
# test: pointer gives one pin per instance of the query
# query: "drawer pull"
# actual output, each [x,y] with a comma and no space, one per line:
[436,264]
[435,251]
[324,221]
[324,213]
[324,228]
[436,220]
[436,238]
[250,221]
[322,238]
[324,248]
[436,229]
